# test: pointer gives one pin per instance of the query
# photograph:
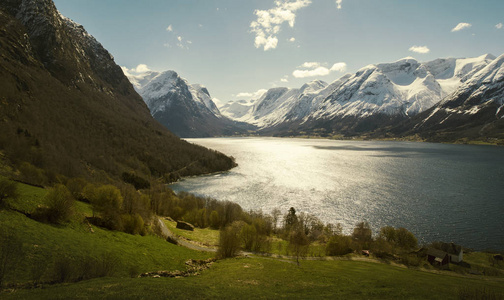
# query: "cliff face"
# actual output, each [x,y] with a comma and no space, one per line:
[66,106]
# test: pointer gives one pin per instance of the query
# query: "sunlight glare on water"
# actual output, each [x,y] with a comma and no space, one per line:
[439,192]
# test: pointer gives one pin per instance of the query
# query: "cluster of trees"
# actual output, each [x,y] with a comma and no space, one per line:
[256,230]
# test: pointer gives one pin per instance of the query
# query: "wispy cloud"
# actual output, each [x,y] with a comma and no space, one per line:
[461,26]
[314,69]
[498,26]
[292,39]
[285,78]
[338,3]
[269,22]
[253,95]
[419,49]
[176,39]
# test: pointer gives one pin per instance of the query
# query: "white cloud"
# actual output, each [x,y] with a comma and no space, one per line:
[285,78]
[320,71]
[461,26]
[142,68]
[498,26]
[339,67]
[419,49]
[269,22]
[179,38]
[310,65]
[292,39]
[313,69]
[338,3]
[169,28]
[138,70]
[254,95]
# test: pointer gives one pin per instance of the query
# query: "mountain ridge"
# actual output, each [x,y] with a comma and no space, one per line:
[68,109]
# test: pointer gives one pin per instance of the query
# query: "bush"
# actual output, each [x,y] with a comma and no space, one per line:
[229,240]
[298,242]
[8,189]
[32,174]
[339,245]
[133,224]
[76,187]
[107,201]
[60,205]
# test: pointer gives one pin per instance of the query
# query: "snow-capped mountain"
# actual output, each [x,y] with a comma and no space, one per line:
[237,109]
[475,110]
[387,91]
[185,109]
[405,87]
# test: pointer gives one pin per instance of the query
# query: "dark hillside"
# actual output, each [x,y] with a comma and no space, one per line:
[67,108]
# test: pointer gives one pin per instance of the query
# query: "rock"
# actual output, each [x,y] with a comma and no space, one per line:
[185,226]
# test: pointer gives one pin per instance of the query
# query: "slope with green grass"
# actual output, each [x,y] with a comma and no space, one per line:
[44,244]
[247,278]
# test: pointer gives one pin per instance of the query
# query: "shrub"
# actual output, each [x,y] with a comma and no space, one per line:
[229,240]
[362,235]
[339,245]
[32,174]
[60,204]
[298,242]
[214,220]
[133,224]
[107,201]
[76,187]
[8,189]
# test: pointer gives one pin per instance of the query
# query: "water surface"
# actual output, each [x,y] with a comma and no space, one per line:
[437,191]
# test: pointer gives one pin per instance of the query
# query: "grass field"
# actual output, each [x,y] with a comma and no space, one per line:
[207,237]
[243,277]
[246,278]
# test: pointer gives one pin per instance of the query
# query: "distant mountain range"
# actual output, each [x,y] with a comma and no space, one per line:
[460,97]
[66,107]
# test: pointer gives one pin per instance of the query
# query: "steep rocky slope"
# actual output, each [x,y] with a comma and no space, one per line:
[67,108]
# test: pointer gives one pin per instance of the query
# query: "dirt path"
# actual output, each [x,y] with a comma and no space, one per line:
[167,233]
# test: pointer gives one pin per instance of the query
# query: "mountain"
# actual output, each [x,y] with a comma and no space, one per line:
[472,112]
[67,108]
[237,109]
[375,96]
[185,109]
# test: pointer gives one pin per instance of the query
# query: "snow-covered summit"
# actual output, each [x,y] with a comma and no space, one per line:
[158,89]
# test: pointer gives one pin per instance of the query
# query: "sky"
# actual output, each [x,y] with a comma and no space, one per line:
[240,48]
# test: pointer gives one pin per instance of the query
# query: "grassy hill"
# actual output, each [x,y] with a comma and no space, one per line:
[45,246]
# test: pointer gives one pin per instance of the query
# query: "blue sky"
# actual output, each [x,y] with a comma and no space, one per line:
[238,47]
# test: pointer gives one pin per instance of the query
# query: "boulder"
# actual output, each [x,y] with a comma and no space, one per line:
[185,226]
